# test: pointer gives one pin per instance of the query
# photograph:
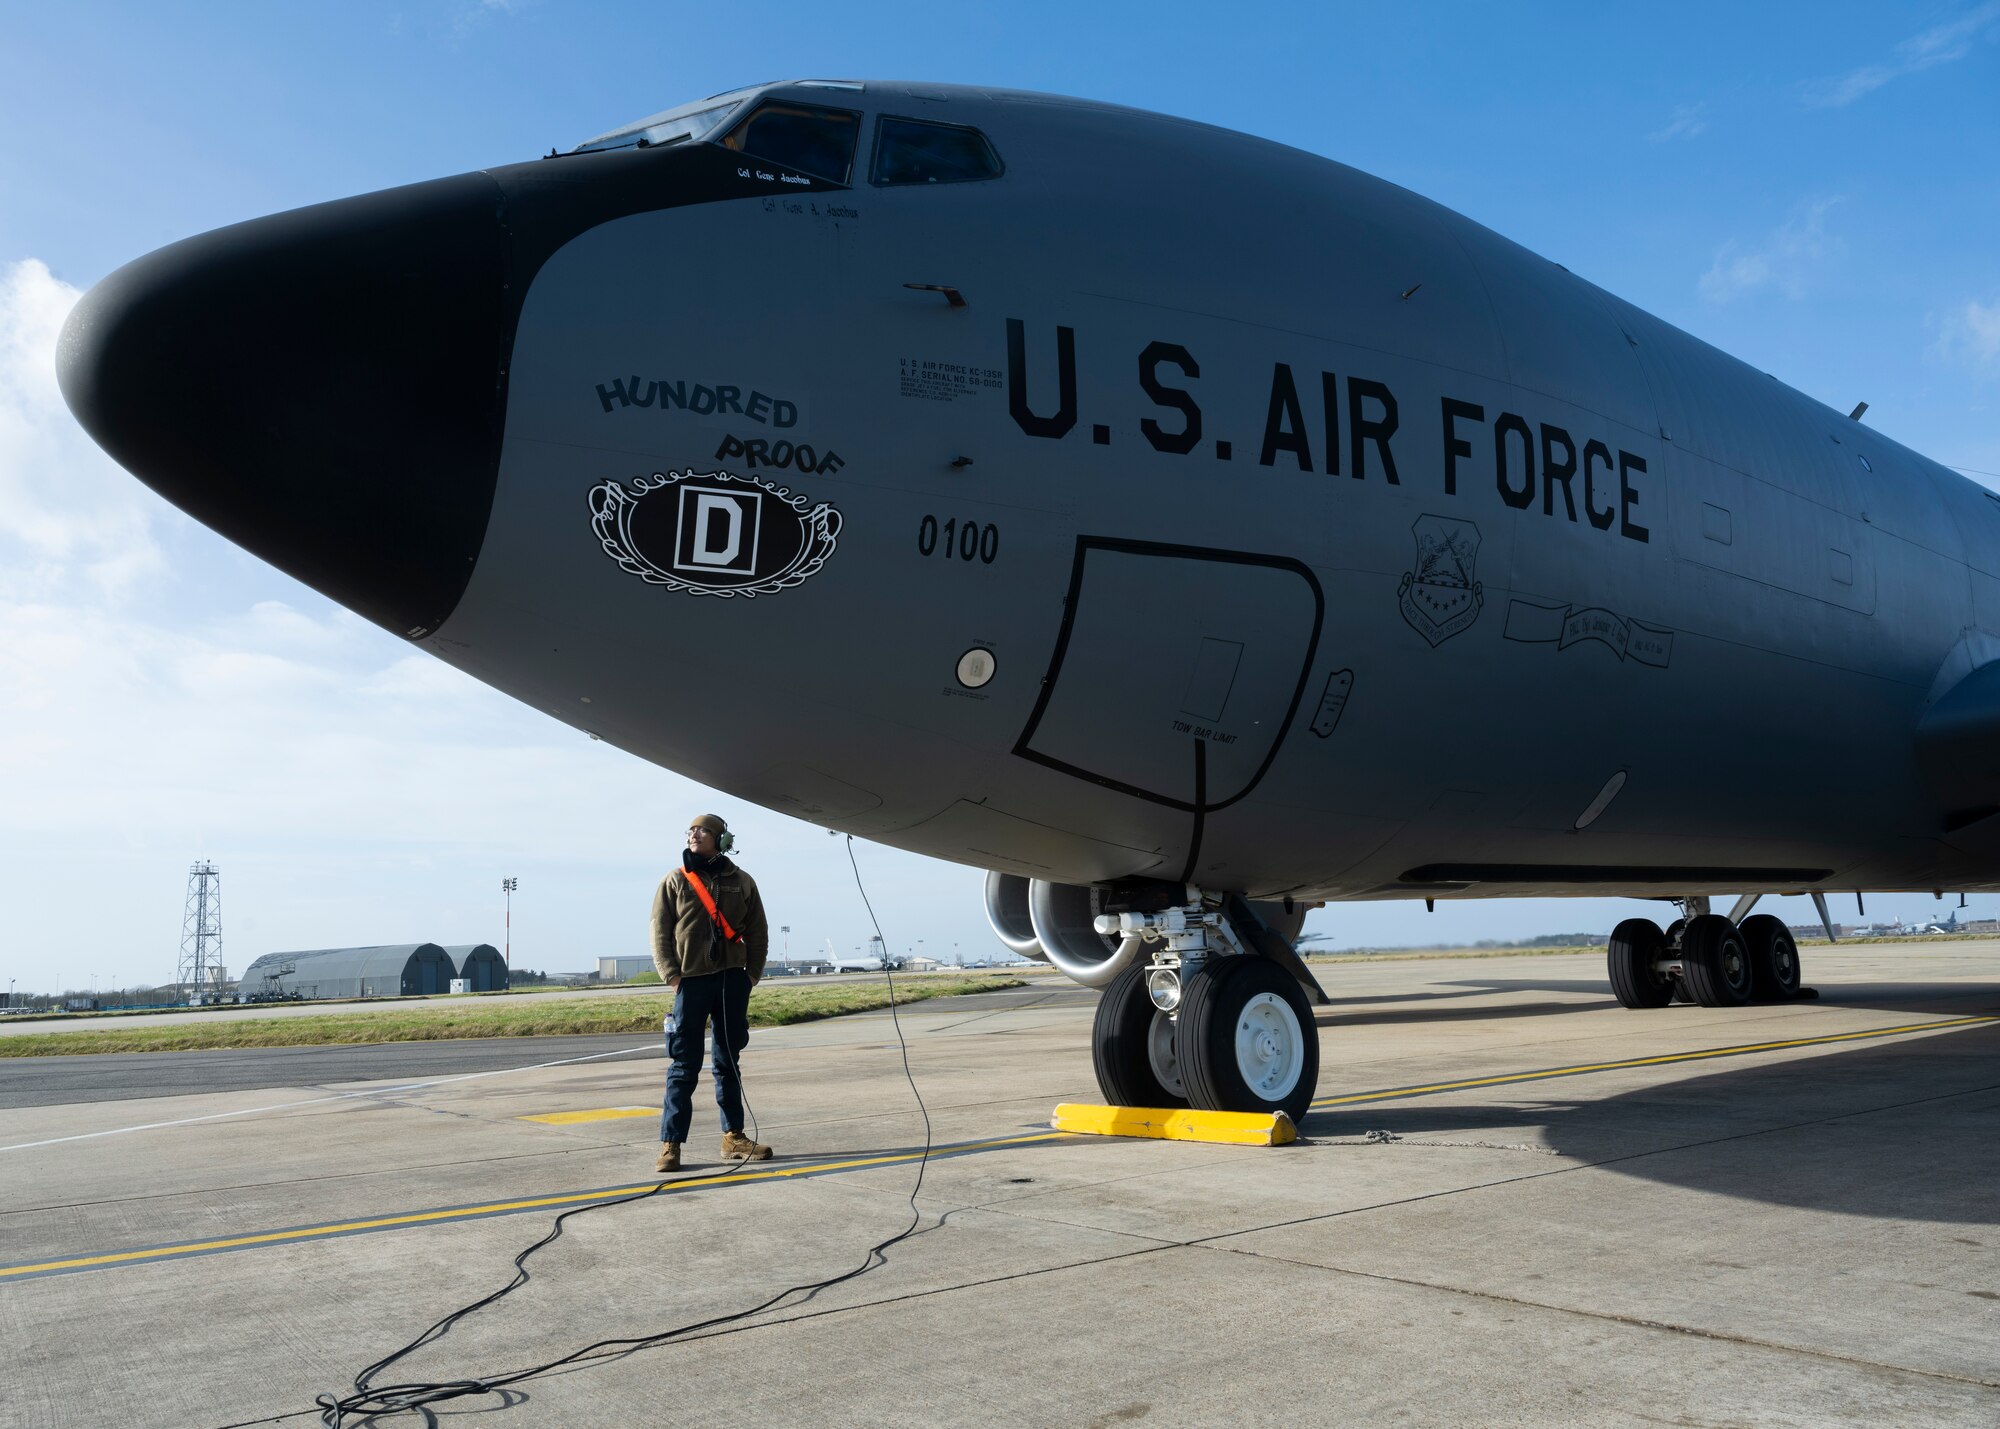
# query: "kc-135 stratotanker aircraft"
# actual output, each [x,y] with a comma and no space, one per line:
[1184,528]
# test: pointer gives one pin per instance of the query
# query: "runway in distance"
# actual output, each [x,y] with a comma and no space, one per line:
[1183,528]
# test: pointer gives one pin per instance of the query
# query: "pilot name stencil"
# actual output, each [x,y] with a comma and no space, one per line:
[1439,595]
[1562,626]
[699,398]
[766,176]
[713,533]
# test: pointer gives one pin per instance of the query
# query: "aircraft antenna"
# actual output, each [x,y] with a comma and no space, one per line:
[201,935]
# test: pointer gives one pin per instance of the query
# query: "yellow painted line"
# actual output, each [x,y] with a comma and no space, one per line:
[1664,1059]
[610,1113]
[1225,1128]
[821,1168]
[498,1208]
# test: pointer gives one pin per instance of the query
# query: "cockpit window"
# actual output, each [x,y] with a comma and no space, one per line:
[684,125]
[911,151]
[813,141]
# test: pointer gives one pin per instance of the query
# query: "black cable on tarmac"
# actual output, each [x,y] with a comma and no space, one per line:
[369,1400]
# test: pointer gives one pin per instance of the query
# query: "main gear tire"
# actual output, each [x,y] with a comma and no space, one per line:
[1248,1041]
[1774,958]
[1133,1046]
[1629,957]
[1715,962]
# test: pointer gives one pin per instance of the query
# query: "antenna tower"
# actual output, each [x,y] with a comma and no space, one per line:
[201,934]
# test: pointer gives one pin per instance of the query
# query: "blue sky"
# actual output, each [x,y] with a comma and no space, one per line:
[1814,188]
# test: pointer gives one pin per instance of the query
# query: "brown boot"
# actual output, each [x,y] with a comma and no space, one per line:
[738,1147]
[670,1158]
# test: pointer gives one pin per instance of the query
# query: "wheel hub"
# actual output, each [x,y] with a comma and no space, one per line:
[1270,1047]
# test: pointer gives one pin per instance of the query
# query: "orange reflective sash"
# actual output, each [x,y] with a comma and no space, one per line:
[729,934]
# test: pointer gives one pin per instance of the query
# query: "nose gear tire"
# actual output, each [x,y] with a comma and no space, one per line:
[1125,1046]
[1248,1041]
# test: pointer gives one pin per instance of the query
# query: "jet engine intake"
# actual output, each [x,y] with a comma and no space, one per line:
[1007,915]
[1063,915]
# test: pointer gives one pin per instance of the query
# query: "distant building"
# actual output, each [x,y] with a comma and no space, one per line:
[1980,925]
[622,969]
[480,964]
[394,970]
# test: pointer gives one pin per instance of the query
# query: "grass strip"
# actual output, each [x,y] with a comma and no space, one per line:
[769,1007]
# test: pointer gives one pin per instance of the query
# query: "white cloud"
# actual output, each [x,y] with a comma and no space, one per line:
[68,514]
[1784,260]
[1940,44]
[1970,337]
[1685,122]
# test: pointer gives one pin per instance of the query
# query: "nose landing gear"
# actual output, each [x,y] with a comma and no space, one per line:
[1210,1022]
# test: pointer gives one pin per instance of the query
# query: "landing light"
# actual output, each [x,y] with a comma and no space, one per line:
[1163,985]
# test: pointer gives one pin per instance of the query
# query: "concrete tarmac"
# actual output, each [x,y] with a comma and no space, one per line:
[53,1081]
[1573,1214]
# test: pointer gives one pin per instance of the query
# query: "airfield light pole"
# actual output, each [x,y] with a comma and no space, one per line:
[507,886]
[786,930]
[201,933]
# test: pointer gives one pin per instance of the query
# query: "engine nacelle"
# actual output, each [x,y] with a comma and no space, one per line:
[1007,915]
[1062,915]
[1055,923]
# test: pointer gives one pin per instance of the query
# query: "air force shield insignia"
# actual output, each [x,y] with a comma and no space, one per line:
[1440,597]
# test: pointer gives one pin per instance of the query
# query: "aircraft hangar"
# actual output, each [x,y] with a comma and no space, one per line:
[480,964]
[392,970]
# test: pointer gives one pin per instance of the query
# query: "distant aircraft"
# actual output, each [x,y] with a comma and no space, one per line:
[1184,528]
[852,963]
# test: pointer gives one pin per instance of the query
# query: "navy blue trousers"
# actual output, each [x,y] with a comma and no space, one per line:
[721,999]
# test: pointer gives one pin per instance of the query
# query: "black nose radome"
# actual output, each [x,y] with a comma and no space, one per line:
[324,387]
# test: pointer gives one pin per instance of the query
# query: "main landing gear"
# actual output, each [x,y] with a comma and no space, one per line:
[1209,1020]
[1706,958]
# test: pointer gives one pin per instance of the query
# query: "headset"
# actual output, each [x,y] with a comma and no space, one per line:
[724,840]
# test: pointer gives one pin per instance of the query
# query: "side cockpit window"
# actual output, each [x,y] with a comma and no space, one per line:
[911,151]
[803,137]
[684,125]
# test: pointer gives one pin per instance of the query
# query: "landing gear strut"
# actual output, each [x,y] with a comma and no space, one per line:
[1704,958]
[1207,1022]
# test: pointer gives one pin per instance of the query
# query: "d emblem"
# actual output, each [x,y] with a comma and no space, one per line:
[713,534]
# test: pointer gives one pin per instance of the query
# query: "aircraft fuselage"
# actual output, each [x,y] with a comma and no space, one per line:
[1169,503]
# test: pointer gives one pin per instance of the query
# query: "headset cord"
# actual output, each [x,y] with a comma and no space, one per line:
[369,1400]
